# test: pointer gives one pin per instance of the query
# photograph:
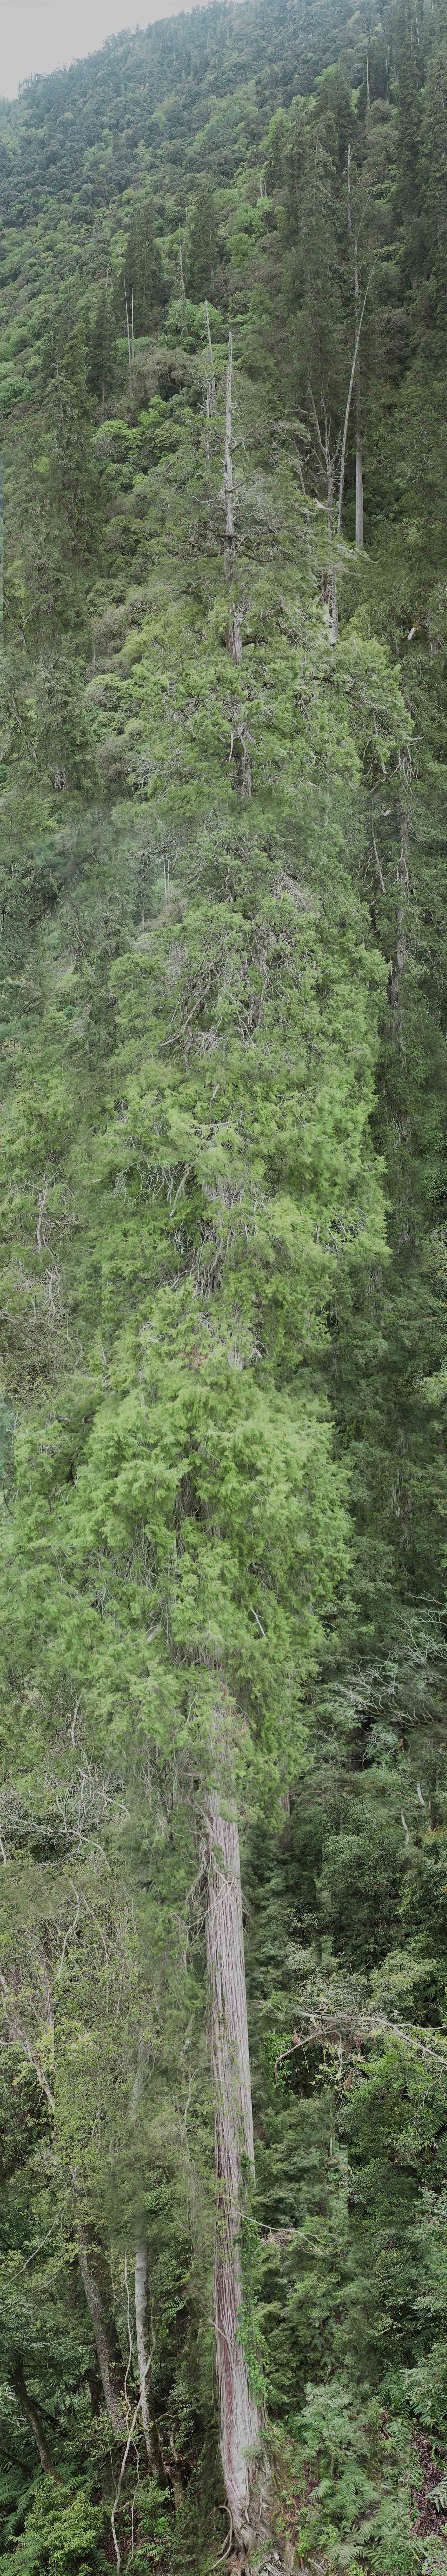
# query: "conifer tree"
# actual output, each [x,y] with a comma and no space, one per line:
[102,349]
[140,288]
[223,1840]
[203,245]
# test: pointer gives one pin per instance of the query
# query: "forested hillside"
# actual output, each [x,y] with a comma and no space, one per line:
[223,1814]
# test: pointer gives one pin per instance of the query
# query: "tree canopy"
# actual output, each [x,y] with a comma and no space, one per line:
[223,1814]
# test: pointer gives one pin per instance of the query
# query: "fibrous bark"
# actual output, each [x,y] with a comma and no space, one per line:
[235,637]
[240,2426]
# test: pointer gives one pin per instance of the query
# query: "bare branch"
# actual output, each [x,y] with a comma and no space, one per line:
[329,2027]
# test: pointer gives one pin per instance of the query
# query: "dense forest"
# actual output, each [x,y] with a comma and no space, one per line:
[223,1812]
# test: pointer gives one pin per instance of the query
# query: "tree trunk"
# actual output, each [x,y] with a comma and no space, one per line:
[358,487]
[397,969]
[234,638]
[330,589]
[208,446]
[104,2329]
[240,2425]
[128,333]
[151,2436]
[358,428]
[230,543]
[358,432]
[213,395]
[33,2418]
[341,487]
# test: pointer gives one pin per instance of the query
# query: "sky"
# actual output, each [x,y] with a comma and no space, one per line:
[37,35]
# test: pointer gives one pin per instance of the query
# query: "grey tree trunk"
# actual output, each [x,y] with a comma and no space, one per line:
[230,542]
[358,431]
[33,2418]
[341,487]
[128,333]
[358,486]
[327,461]
[208,445]
[358,428]
[104,2329]
[151,2435]
[240,2424]
[235,636]
[213,395]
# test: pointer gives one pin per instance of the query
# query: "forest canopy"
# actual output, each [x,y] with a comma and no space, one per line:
[223,1812]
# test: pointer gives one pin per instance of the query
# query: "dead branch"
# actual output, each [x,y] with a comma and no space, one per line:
[328,2028]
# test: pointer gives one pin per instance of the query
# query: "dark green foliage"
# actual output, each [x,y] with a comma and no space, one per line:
[203,246]
[102,363]
[139,289]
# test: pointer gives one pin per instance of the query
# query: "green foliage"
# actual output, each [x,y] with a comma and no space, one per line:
[223,1275]
[203,246]
[139,287]
[63,2533]
[102,368]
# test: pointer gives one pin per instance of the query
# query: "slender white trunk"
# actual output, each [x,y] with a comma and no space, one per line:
[240,2425]
[330,591]
[151,2436]
[341,487]
[358,488]
[128,332]
[208,445]
[333,585]
[143,2359]
[358,431]
[230,546]
[212,389]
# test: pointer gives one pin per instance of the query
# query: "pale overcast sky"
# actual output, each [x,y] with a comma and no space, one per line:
[36,35]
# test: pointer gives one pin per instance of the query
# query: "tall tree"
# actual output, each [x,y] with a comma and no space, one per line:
[139,287]
[204,249]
